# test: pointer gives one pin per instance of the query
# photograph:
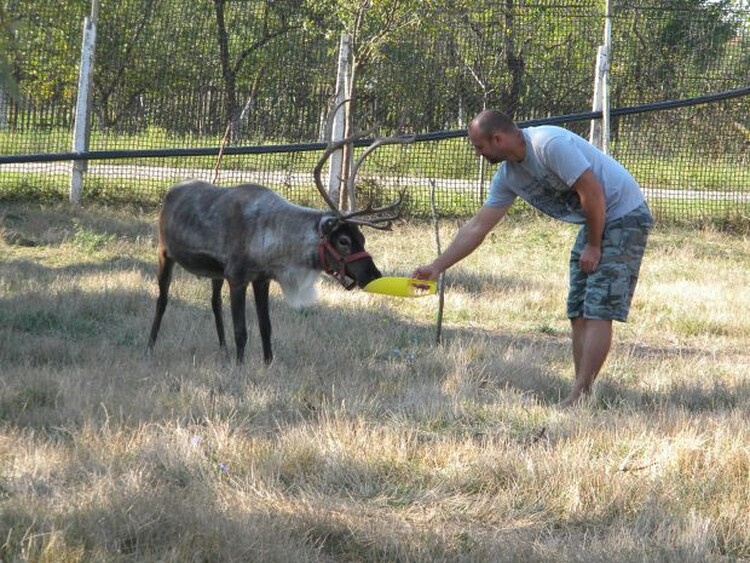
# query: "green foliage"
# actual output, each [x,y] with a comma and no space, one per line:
[102,189]
[665,55]
[47,48]
[7,45]
[165,78]
[88,240]
[424,64]
[32,187]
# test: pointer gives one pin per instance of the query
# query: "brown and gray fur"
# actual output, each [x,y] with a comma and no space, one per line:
[250,235]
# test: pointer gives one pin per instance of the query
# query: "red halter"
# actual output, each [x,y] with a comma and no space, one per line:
[341,261]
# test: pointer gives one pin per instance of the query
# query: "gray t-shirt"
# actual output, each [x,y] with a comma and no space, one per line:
[555,159]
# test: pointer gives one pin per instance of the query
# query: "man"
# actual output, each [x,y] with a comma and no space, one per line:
[569,179]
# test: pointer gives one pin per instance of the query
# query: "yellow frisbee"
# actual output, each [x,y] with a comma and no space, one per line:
[401,287]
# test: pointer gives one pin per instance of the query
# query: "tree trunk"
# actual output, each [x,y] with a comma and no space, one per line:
[512,96]
[228,75]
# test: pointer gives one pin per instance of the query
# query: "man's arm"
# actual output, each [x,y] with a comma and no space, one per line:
[467,239]
[591,195]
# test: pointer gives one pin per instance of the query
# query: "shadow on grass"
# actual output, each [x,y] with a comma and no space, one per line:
[59,330]
[168,512]
[711,396]
[32,224]
[479,283]
[337,346]
[364,351]
[28,269]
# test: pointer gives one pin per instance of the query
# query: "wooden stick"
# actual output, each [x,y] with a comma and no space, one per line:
[441,288]
[221,152]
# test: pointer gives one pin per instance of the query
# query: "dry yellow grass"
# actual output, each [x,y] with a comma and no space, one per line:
[364,441]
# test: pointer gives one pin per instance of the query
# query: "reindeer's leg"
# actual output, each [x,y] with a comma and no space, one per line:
[217,284]
[164,277]
[237,297]
[260,291]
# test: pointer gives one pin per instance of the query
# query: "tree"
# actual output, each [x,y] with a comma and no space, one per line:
[264,21]
[371,26]
[43,47]
[7,46]
[660,55]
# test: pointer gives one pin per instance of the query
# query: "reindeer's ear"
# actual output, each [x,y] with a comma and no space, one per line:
[328,224]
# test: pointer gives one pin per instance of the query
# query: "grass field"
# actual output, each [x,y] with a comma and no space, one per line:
[364,440]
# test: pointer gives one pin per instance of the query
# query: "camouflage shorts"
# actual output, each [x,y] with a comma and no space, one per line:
[607,293]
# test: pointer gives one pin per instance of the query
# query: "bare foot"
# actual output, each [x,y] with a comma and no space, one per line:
[573,398]
[569,401]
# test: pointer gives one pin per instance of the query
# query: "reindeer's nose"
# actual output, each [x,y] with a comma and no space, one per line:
[369,272]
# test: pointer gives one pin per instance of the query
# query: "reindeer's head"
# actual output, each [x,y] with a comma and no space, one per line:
[342,254]
[341,250]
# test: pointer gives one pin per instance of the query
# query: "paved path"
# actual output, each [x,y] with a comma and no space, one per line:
[305,180]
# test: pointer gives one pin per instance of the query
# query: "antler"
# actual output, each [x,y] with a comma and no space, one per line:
[375,222]
[382,222]
[331,148]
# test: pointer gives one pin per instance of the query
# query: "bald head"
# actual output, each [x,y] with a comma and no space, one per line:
[496,137]
[492,121]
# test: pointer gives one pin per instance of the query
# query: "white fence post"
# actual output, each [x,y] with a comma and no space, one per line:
[605,83]
[595,134]
[600,129]
[339,119]
[82,120]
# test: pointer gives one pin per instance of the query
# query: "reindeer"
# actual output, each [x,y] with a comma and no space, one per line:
[248,234]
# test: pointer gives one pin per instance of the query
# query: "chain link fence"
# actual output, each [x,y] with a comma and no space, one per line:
[178,80]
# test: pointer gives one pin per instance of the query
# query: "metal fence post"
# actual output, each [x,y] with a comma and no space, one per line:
[82,117]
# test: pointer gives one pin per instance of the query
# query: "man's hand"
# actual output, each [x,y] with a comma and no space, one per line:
[590,257]
[427,272]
